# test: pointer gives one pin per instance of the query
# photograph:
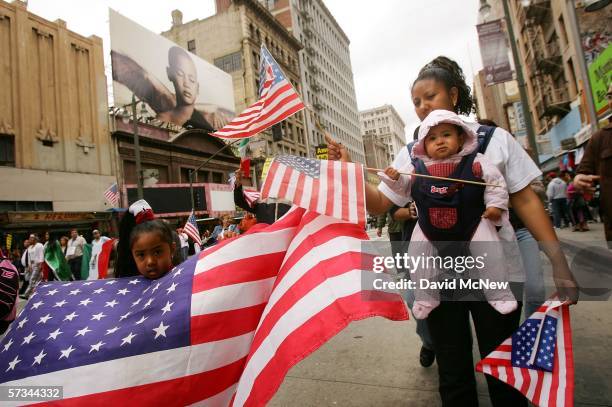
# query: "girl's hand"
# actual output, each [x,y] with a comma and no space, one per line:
[493,214]
[336,151]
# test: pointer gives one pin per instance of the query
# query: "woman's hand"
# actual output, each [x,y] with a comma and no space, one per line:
[336,151]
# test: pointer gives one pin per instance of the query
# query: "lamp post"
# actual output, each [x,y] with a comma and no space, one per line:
[139,180]
[194,171]
[485,10]
[584,73]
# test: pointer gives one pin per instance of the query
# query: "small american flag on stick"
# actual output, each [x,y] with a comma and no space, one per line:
[537,359]
[191,228]
[331,188]
[278,100]
[112,195]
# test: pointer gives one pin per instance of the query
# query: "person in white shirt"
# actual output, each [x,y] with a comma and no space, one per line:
[96,248]
[74,253]
[441,85]
[184,243]
[36,257]
[556,192]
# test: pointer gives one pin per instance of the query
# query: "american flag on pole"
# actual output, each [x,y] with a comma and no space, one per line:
[191,228]
[538,358]
[222,328]
[331,188]
[250,195]
[112,195]
[278,100]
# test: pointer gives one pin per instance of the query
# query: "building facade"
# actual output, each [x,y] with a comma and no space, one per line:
[387,126]
[551,68]
[325,70]
[231,40]
[56,152]
[376,152]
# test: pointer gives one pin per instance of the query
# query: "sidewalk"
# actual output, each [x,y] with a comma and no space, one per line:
[375,361]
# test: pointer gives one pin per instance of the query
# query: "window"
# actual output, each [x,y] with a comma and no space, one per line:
[191,46]
[230,63]
[7,151]
[31,206]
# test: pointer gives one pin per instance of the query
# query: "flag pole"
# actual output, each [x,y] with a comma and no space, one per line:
[192,172]
[440,178]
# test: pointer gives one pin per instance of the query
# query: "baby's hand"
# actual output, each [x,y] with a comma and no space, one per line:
[493,214]
[392,173]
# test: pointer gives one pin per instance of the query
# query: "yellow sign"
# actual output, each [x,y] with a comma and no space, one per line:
[321,152]
[266,167]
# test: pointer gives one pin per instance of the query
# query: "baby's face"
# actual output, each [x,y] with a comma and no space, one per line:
[443,141]
[184,75]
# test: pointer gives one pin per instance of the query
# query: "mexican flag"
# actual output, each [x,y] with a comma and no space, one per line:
[97,260]
[56,261]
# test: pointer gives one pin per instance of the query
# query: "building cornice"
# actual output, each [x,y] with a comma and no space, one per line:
[265,14]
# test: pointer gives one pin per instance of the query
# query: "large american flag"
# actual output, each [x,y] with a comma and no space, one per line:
[191,228]
[331,188]
[278,100]
[224,327]
[112,195]
[538,359]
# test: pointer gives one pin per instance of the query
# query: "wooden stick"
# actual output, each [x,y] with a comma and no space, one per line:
[440,178]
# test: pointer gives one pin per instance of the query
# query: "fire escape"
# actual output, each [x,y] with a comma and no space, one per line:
[545,62]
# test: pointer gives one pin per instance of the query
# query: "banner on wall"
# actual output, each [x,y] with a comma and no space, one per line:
[177,86]
[494,52]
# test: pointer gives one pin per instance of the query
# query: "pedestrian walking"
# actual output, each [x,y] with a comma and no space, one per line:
[74,253]
[36,258]
[441,85]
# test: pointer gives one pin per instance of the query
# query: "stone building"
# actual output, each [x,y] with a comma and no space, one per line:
[56,152]
[325,69]
[376,152]
[550,55]
[386,124]
[231,40]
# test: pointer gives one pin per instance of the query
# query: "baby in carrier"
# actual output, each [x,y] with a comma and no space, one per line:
[453,216]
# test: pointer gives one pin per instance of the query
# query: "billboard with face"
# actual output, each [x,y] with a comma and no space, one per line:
[177,86]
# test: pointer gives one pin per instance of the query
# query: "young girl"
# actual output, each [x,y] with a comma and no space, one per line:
[146,245]
[451,211]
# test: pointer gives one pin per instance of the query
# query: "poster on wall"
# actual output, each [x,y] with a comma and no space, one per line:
[494,52]
[600,76]
[177,86]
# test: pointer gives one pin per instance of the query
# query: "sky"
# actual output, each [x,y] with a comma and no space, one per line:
[390,39]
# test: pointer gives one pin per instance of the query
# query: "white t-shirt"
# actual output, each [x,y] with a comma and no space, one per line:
[36,253]
[184,240]
[518,171]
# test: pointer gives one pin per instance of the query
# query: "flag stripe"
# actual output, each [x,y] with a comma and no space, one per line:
[327,268]
[299,189]
[284,183]
[330,320]
[541,387]
[192,388]
[242,270]
[243,294]
[267,186]
[130,372]
[344,200]
[225,325]
[310,309]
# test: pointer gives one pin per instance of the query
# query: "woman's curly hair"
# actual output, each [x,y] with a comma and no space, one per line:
[448,72]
